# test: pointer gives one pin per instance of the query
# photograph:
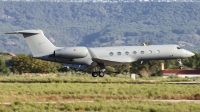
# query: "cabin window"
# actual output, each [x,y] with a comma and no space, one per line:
[178,47]
[142,52]
[150,52]
[126,52]
[111,53]
[134,52]
[119,53]
[158,51]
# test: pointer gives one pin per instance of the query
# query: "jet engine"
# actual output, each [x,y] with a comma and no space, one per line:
[71,52]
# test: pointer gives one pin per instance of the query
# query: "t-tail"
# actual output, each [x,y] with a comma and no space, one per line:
[37,42]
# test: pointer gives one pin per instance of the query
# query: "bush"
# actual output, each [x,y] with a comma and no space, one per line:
[3,68]
[27,64]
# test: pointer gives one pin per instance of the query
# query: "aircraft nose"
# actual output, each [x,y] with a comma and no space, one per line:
[190,54]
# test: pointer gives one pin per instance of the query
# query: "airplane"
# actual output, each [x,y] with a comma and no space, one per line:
[81,57]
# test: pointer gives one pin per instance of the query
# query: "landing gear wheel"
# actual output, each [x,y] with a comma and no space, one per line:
[180,64]
[95,74]
[101,74]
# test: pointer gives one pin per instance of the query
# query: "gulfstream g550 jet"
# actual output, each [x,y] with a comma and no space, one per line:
[81,57]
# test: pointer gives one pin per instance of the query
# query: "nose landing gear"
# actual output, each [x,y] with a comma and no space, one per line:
[180,64]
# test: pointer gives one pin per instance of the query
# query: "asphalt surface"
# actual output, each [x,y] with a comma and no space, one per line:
[92,101]
[151,82]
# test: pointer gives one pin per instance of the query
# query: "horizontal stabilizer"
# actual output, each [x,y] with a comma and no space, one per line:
[80,67]
[24,32]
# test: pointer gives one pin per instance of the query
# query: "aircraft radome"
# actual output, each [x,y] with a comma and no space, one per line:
[81,57]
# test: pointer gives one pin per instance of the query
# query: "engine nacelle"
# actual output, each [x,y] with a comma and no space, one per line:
[71,52]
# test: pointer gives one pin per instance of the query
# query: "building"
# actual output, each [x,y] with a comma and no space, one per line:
[181,73]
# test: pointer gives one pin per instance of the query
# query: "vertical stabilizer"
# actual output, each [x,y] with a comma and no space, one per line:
[37,42]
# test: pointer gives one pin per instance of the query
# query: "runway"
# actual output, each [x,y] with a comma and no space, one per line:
[93,82]
[182,82]
[92,101]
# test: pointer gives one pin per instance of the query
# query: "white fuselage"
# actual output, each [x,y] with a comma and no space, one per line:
[80,57]
[127,54]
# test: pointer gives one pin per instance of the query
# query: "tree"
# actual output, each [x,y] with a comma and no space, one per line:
[3,68]
[26,64]
[147,68]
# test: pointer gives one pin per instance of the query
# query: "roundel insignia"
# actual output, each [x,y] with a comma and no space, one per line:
[74,49]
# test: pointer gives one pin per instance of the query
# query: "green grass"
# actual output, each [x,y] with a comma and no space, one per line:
[79,91]
[117,106]
[118,96]
[80,77]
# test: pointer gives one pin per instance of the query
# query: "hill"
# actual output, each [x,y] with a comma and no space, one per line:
[101,24]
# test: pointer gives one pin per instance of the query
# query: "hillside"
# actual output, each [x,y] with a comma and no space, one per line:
[101,24]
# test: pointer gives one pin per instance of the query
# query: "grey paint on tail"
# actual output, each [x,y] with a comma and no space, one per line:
[37,42]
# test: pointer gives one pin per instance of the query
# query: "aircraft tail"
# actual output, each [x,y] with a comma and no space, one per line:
[37,42]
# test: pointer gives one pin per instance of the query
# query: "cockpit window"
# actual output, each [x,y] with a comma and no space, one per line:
[178,47]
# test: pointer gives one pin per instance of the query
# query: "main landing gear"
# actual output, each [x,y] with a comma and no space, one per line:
[95,74]
[100,73]
[180,64]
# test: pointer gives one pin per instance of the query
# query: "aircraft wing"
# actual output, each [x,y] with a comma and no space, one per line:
[113,60]
[109,61]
